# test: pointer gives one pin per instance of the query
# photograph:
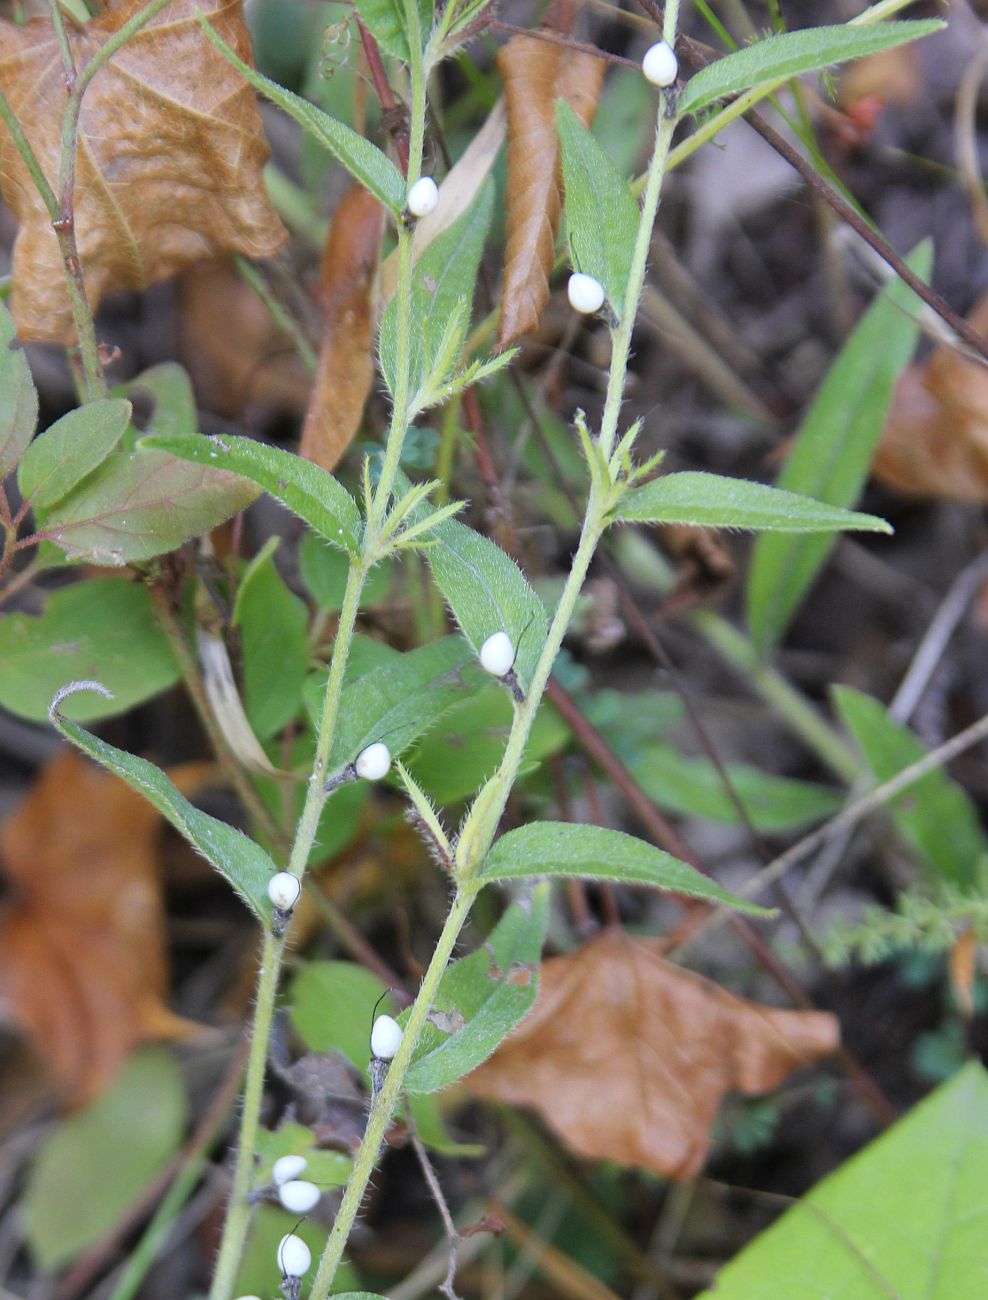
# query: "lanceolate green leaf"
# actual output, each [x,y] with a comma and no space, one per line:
[70,449]
[711,501]
[935,814]
[386,22]
[18,398]
[487,593]
[273,626]
[363,160]
[595,853]
[792,53]
[832,451]
[601,215]
[103,627]
[907,1217]
[488,993]
[306,489]
[242,862]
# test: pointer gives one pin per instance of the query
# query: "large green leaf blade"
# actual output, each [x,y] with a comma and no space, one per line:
[70,449]
[273,625]
[363,160]
[935,814]
[305,489]
[238,859]
[905,1217]
[492,990]
[487,593]
[597,853]
[18,398]
[93,1166]
[602,217]
[833,449]
[791,53]
[712,501]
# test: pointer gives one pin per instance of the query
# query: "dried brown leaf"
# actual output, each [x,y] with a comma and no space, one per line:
[935,443]
[346,358]
[535,74]
[627,1056]
[169,158]
[82,949]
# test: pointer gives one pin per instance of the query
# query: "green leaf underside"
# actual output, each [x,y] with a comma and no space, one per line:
[906,1217]
[332,1004]
[596,853]
[118,1144]
[602,217]
[935,815]
[140,504]
[305,489]
[238,859]
[443,280]
[324,571]
[693,786]
[399,701]
[71,448]
[385,20]
[18,397]
[487,593]
[712,501]
[493,990]
[324,1168]
[787,55]
[363,160]
[273,626]
[170,389]
[101,628]
[832,450]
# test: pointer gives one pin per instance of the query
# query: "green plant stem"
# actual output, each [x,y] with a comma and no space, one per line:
[384,1103]
[402,395]
[238,1212]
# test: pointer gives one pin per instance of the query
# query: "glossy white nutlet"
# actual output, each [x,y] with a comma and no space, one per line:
[299,1196]
[585,293]
[283,890]
[660,65]
[385,1038]
[294,1256]
[374,761]
[423,197]
[497,654]
[285,1168]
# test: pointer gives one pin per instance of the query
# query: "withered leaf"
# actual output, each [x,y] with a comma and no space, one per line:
[536,74]
[935,443]
[82,950]
[346,360]
[169,158]
[627,1056]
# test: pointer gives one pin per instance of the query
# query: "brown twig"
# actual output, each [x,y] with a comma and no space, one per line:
[553,38]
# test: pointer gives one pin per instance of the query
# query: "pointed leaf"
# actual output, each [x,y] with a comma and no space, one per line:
[787,55]
[386,21]
[935,815]
[596,853]
[832,451]
[601,216]
[487,593]
[18,398]
[70,449]
[363,160]
[242,862]
[712,501]
[492,990]
[308,491]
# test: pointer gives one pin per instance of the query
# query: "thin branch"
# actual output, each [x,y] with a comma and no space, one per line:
[432,1180]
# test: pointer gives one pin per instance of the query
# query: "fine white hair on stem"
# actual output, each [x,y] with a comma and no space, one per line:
[73,688]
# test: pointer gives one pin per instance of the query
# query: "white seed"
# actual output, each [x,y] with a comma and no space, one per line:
[298,1195]
[660,65]
[497,654]
[294,1256]
[283,890]
[286,1168]
[248,1297]
[423,197]
[385,1038]
[585,293]
[374,761]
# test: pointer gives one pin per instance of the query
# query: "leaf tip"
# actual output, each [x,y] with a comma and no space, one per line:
[74,688]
